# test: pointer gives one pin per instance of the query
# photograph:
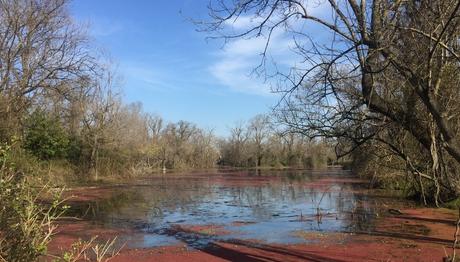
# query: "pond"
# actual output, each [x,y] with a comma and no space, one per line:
[269,206]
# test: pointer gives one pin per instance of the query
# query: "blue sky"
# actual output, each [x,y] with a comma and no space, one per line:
[169,67]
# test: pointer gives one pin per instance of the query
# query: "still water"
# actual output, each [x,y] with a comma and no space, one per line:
[268,206]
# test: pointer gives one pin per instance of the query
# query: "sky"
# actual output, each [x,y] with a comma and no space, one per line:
[165,63]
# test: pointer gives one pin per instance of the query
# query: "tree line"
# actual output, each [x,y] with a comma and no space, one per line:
[262,143]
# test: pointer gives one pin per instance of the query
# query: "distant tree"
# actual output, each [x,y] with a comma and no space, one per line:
[258,130]
[237,152]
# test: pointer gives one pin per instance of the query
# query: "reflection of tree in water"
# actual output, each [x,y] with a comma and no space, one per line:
[283,193]
[143,202]
[362,215]
[97,209]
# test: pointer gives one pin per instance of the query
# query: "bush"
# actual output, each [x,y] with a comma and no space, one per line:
[45,137]
[26,226]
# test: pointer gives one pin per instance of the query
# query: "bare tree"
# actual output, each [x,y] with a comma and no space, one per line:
[100,118]
[377,64]
[42,51]
[238,144]
[258,130]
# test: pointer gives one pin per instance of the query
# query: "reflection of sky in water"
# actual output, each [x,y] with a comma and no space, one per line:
[275,207]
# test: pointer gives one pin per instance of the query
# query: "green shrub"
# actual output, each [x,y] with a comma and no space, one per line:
[26,226]
[45,137]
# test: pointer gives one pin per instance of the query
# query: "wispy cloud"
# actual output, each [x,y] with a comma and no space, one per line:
[234,73]
[235,63]
[176,75]
[147,77]
[104,27]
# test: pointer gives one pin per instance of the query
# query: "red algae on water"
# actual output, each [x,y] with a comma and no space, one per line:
[416,234]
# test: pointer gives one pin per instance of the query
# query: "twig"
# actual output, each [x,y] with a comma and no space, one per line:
[457,229]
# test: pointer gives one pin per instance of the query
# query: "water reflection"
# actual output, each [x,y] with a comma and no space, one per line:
[272,205]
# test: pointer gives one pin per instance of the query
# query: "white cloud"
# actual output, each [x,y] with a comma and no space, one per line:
[238,59]
[235,74]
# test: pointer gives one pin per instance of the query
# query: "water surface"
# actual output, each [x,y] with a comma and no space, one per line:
[268,206]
